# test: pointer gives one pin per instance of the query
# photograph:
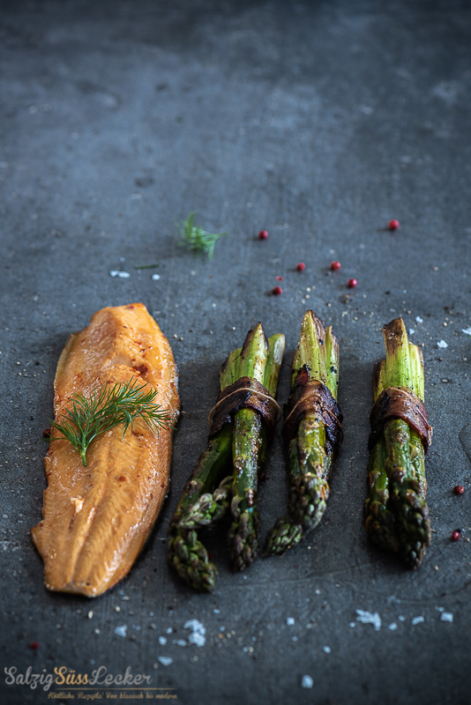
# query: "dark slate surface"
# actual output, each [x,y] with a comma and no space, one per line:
[319,122]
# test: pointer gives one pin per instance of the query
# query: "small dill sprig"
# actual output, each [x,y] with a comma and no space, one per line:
[91,416]
[196,238]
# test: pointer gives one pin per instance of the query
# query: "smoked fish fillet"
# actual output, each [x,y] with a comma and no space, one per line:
[97,518]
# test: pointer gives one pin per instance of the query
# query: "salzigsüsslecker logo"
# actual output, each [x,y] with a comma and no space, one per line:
[100,679]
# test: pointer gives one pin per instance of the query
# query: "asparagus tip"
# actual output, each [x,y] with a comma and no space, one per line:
[283,536]
[209,508]
[187,555]
[243,539]
[414,529]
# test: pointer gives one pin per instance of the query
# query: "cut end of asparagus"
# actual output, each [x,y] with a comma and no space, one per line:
[332,361]
[190,559]
[318,350]
[276,349]
[310,350]
[283,536]
[397,370]
[254,354]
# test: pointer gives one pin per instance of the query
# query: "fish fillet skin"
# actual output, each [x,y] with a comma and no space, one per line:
[97,518]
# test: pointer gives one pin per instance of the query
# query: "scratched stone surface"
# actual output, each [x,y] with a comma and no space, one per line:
[319,122]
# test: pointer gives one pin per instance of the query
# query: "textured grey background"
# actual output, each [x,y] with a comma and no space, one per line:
[319,122]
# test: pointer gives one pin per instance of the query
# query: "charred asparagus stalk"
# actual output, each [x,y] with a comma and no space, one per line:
[261,360]
[310,451]
[396,512]
[207,495]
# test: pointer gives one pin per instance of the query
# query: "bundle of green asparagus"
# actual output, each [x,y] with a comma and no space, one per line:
[397,516]
[312,433]
[241,423]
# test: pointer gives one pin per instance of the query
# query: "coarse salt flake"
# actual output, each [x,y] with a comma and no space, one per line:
[418,319]
[119,274]
[466,331]
[442,344]
[198,632]
[155,277]
[392,627]
[165,660]
[162,640]
[417,620]
[369,618]
[121,631]
[446,617]
[306,682]
[290,621]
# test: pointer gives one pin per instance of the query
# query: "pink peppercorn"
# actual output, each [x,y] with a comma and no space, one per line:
[334,266]
[459,489]
[263,234]
[393,224]
[456,535]
[352,283]
[301,267]
[277,290]
[34,645]
[279,279]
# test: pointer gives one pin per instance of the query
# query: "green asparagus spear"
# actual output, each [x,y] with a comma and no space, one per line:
[379,518]
[310,458]
[397,515]
[261,360]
